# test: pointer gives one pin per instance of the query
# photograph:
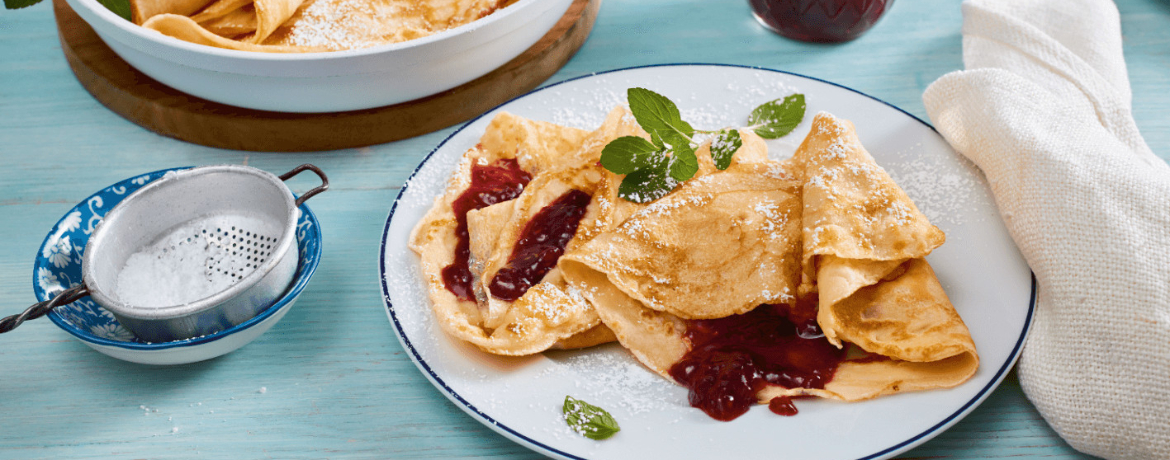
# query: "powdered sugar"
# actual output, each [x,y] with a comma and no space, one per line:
[940,191]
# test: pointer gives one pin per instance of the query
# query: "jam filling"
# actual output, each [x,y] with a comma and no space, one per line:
[490,184]
[732,358]
[541,243]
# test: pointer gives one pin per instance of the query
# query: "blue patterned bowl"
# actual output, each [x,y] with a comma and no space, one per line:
[58,267]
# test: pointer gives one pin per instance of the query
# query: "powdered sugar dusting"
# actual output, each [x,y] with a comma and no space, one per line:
[940,192]
[615,377]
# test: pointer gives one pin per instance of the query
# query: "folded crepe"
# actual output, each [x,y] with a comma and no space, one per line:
[851,241]
[865,241]
[719,245]
[141,10]
[496,232]
[546,315]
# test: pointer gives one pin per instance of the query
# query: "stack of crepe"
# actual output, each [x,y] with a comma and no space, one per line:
[305,25]
[828,226]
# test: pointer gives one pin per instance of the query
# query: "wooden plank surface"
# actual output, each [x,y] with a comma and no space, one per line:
[335,381]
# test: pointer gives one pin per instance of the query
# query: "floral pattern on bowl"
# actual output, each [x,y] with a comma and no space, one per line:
[58,267]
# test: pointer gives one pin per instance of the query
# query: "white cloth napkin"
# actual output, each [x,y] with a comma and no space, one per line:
[1044,110]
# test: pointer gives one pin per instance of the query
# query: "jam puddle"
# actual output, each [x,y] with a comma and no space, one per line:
[732,358]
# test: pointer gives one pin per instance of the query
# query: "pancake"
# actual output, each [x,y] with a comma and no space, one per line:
[141,10]
[854,248]
[546,313]
[852,207]
[306,25]
[866,241]
[507,229]
[719,245]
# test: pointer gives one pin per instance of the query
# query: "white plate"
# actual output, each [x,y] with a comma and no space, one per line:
[980,267]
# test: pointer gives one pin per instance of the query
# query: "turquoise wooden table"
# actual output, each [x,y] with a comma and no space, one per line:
[331,380]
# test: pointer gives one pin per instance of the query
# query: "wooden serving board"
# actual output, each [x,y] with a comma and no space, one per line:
[170,112]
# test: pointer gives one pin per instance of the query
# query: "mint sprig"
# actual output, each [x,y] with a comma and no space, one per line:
[590,421]
[656,167]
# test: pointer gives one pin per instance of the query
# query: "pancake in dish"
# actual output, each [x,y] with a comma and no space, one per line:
[305,25]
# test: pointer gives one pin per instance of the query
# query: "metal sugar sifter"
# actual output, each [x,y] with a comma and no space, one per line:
[192,253]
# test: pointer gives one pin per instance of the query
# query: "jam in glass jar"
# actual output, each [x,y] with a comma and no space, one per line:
[822,21]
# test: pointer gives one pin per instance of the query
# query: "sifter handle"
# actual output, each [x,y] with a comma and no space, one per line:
[309,194]
[41,309]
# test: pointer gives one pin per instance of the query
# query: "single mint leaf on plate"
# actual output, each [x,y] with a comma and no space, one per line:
[648,184]
[656,114]
[723,146]
[627,153]
[590,421]
[775,119]
[683,163]
[17,4]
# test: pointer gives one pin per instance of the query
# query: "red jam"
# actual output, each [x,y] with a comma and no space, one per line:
[490,184]
[732,358]
[782,405]
[540,245]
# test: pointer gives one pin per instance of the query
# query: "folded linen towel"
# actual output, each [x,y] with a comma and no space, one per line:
[1044,110]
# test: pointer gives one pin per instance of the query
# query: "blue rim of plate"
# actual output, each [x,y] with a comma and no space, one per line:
[493,423]
[308,251]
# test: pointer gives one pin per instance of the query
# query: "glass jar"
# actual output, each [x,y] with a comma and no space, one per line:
[821,21]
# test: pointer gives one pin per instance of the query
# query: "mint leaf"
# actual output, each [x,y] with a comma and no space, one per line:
[16,4]
[723,146]
[775,119]
[657,141]
[627,153]
[119,7]
[649,183]
[590,421]
[656,114]
[656,167]
[683,163]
